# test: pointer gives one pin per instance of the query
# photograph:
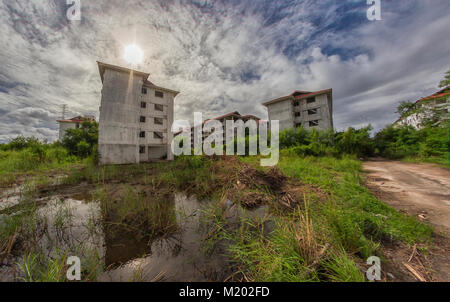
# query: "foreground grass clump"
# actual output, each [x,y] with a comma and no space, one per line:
[321,240]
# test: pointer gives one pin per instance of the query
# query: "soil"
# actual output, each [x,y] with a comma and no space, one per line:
[423,191]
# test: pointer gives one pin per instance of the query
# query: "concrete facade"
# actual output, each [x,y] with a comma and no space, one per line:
[234,116]
[136,117]
[438,102]
[303,108]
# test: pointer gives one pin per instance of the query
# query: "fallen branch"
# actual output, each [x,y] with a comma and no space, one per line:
[413,252]
[414,272]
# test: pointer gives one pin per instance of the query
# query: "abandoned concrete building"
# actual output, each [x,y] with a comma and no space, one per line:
[136,117]
[439,102]
[234,116]
[73,123]
[303,108]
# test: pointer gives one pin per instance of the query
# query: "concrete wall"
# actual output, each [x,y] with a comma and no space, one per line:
[285,112]
[63,127]
[120,120]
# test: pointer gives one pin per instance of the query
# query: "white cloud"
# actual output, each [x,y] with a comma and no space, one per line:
[222,56]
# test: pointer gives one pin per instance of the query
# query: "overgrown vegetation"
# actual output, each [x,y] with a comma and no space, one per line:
[29,155]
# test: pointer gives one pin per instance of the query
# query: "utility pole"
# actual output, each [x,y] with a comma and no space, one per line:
[63,114]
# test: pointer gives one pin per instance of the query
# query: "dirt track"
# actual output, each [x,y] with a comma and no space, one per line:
[422,190]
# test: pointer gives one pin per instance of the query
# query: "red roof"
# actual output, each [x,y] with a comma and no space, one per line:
[298,95]
[236,113]
[440,94]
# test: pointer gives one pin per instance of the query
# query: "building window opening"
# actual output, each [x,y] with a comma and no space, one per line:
[142,149]
[142,119]
[159,94]
[159,107]
[296,103]
[144,90]
[312,111]
[142,134]
[297,114]
[313,123]
[158,135]
[158,121]
[310,100]
[143,105]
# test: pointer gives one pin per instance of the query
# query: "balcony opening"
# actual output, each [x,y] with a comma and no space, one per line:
[313,123]
[312,111]
[158,135]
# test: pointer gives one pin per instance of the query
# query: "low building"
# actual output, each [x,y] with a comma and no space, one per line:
[424,108]
[136,117]
[303,108]
[234,116]
[72,123]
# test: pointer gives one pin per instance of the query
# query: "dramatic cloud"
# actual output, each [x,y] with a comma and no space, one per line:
[222,55]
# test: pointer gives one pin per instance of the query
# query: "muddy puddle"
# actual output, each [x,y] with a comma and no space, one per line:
[75,226]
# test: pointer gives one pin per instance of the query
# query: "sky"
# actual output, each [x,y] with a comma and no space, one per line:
[222,56]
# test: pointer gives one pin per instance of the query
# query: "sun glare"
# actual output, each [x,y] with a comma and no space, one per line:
[133,54]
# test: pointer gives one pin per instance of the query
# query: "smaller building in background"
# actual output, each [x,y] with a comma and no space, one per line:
[303,108]
[438,102]
[72,123]
[234,116]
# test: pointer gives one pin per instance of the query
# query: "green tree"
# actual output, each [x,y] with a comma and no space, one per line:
[82,141]
[406,108]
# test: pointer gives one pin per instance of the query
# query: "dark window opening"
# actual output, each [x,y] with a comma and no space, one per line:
[159,107]
[141,149]
[159,94]
[296,103]
[298,125]
[158,121]
[297,114]
[313,123]
[144,90]
[78,126]
[312,111]
[142,134]
[143,105]
[158,135]
[310,100]
[142,119]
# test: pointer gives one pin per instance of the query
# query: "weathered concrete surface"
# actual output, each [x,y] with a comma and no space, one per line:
[121,110]
[291,116]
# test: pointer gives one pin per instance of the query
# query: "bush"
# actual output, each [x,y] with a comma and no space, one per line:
[328,143]
[81,141]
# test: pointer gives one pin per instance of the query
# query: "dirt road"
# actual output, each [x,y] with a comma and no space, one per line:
[422,190]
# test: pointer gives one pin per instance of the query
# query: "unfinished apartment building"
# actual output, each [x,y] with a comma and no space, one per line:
[136,117]
[303,108]
[235,116]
